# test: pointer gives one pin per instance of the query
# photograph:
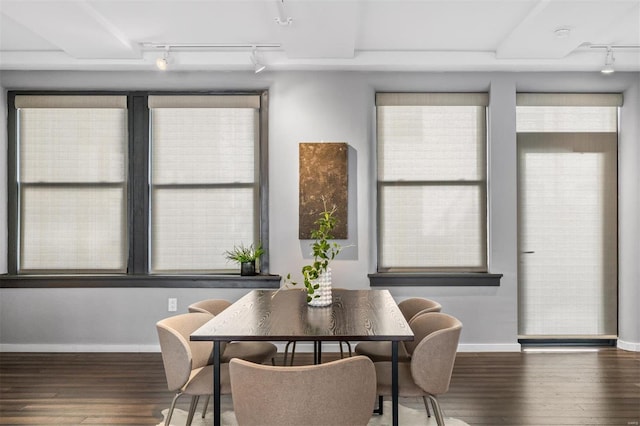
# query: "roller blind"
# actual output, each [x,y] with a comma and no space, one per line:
[72,182]
[431,166]
[204,180]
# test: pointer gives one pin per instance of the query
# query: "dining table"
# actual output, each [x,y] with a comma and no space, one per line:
[284,315]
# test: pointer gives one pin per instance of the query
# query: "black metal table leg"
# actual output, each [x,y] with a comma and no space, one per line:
[317,352]
[394,381]
[216,383]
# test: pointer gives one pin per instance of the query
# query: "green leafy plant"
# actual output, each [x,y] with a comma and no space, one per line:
[324,251]
[243,254]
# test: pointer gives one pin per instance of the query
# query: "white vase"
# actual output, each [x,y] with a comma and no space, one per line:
[323,291]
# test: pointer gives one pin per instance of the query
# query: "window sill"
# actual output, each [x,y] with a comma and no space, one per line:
[430,279]
[160,281]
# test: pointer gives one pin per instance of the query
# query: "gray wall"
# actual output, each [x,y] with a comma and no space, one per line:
[337,107]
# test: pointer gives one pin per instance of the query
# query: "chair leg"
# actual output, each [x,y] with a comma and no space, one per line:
[437,410]
[293,351]
[286,352]
[379,409]
[346,342]
[173,405]
[426,405]
[192,409]
[206,404]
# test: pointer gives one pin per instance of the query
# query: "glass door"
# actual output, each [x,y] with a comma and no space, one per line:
[567,235]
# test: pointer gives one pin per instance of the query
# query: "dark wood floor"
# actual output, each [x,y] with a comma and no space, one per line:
[576,388]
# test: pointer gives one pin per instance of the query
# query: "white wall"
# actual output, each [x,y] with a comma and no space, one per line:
[629,222]
[337,107]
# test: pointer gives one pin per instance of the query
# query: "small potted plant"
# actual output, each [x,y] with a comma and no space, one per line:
[246,256]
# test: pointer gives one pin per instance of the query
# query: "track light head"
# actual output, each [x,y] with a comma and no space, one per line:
[608,62]
[163,63]
[257,66]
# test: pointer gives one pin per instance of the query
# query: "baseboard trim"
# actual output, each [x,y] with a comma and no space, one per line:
[300,347]
[29,347]
[628,346]
[489,347]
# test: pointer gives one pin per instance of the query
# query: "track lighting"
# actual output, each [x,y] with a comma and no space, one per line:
[608,62]
[257,66]
[163,62]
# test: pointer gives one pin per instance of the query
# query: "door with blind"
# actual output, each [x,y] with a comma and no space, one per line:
[567,208]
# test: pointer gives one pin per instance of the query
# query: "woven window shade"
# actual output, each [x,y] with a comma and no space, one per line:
[72,179]
[204,180]
[432,180]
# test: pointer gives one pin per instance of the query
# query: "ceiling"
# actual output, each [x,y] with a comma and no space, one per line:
[418,35]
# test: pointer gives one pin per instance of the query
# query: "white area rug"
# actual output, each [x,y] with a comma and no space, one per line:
[411,412]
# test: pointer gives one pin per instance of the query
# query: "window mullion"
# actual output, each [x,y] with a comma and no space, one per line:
[138,214]
[13,190]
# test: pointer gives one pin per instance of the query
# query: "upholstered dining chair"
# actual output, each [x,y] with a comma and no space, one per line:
[428,373]
[410,308]
[415,305]
[211,306]
[257,352]
[186,362]
[340,392]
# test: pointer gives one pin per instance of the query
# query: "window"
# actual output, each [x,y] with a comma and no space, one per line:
[72,183]
[204,177]
[135,185]
[431,151]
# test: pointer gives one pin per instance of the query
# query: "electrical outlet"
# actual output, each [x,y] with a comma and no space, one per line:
[173,304]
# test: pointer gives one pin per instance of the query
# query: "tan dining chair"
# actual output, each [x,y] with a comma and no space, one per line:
[340,392]
[257,352]
[428,373]
[415,305]
[186,362]
[410,308]
[211,306]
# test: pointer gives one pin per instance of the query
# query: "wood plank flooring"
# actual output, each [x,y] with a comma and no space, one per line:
[564,388]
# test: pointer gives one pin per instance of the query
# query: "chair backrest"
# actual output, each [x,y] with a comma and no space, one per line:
[212,306]
[414,305]
[341,392]
[432,360]
[180,355]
